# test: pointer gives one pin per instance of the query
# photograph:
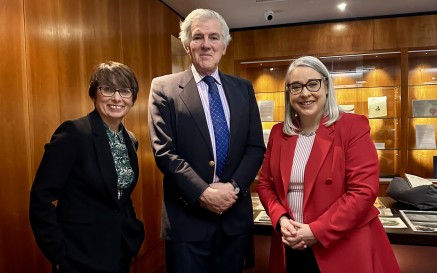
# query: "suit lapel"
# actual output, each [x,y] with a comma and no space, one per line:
[322,145]
[288,147]
[103,153]
[189,94]
[234,103]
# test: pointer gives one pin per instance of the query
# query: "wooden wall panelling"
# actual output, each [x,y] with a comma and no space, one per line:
[311,39]
[14,143]
[147,27]
[405,32]
[134,52]
[42,73]
[58,69]
[336,38]
[227,61]
[52,48]
[88,34]
[73,72]
[149,56]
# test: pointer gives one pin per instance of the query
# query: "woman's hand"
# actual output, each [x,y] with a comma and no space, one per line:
[304,232]
[290,236]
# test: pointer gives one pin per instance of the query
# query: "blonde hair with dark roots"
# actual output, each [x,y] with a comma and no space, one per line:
[332,110]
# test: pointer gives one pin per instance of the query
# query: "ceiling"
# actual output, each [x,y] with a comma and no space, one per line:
[241,14]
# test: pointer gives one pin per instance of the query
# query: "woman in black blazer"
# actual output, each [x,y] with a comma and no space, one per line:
[81,212]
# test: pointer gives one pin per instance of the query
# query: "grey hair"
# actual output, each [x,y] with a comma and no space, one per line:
[202,14]
[332,109]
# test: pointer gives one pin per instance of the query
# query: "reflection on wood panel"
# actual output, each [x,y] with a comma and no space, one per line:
[52,48]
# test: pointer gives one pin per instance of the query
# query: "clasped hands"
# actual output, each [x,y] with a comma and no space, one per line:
[218,197]
[296,235]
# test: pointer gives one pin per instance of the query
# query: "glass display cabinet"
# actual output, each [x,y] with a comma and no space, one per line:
[366,84]
[422,112]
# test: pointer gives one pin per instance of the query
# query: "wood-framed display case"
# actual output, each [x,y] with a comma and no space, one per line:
[422,112]
[367,84]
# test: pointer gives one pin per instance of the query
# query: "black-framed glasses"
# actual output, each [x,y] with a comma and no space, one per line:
[110,91]
[312,85]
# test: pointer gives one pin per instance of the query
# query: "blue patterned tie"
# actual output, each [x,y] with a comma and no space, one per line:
[221,131]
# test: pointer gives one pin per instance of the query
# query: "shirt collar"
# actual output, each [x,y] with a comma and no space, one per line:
[119,133]
[198,77]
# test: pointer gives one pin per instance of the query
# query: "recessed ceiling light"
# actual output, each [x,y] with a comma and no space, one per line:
[342,6]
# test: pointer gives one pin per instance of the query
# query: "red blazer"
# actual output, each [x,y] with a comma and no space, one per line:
[340,186]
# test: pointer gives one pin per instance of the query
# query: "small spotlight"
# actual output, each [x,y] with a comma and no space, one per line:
[342,6]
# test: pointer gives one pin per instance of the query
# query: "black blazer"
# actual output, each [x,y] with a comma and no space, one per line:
[88,223]
[183,152]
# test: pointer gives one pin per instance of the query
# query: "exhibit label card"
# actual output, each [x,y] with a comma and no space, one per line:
[380,145]
[377,106]
[266,110]
[424,108]
[262,218]
[348,108]
[392,222]
[425,136]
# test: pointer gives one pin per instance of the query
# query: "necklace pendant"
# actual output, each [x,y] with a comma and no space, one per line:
[303,133]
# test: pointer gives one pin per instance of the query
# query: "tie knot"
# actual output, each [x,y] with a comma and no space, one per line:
[209,80]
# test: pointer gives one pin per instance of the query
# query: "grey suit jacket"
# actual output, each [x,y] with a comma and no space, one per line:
[183,152]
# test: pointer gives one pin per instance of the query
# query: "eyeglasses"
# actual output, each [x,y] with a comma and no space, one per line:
[296,88]
[110,91]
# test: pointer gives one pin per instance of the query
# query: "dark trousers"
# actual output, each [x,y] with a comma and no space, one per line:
[301,261]
[72,266]
[220,253]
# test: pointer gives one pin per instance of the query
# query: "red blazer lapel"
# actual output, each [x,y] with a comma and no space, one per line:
[321,147]
[288,147]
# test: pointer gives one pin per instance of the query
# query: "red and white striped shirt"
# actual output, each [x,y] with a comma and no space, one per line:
[295,189]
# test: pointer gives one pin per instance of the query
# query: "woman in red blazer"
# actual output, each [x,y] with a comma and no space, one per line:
[319,181]
[81,211]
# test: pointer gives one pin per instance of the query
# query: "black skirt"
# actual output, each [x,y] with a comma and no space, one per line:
[301,261]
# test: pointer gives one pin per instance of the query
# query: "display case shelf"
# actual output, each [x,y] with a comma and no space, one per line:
[422,111]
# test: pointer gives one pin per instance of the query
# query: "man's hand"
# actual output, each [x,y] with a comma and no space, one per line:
[218,197]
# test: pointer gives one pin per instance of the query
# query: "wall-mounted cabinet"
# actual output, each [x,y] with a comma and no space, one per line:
[371,85]
[422,111]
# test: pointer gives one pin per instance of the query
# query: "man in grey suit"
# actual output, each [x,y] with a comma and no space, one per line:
[207,212]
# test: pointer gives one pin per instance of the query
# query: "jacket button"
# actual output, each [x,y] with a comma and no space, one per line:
[211,163]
